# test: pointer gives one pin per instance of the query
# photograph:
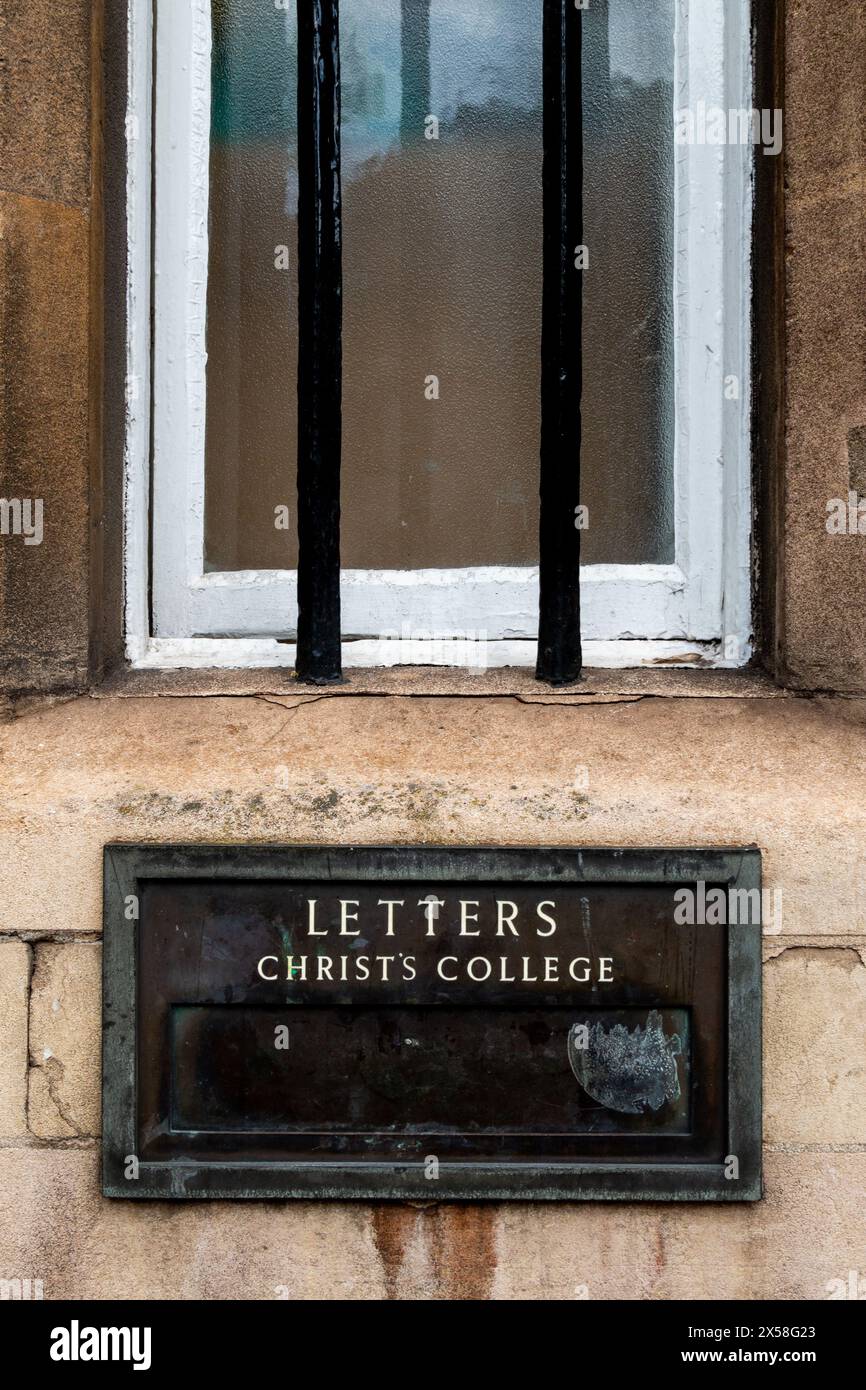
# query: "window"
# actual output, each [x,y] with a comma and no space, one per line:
[447,274]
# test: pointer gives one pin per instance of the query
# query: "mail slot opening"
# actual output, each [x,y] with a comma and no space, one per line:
[361,1080]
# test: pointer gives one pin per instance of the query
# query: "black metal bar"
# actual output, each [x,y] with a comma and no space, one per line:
[559,648]
[320,292]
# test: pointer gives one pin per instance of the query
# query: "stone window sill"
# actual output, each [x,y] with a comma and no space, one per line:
[596,686]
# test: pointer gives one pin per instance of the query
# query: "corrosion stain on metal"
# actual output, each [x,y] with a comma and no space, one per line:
[629,1071]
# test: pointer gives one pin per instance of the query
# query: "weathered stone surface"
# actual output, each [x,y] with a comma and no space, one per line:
[54,1225]
[814,1055]
[825,154]
[778,773]
[14,974]
[826,643]
[65,1041]
[825,96]
[809,1230]
[45,112]
[44,443]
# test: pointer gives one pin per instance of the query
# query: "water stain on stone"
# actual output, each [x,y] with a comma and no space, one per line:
[392,1231]
[463,1246]
[459,1249]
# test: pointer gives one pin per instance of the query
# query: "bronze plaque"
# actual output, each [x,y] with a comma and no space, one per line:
[432,1023]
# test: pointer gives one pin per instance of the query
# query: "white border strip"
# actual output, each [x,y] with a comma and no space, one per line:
[737,622]
[501,601]
[172,653]
[180,232]
[136,489]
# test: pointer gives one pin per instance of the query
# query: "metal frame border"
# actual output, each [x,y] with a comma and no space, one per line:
[126,866]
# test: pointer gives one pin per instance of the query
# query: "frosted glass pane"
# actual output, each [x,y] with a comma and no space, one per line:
[252,340]
[442,279]
[627,457]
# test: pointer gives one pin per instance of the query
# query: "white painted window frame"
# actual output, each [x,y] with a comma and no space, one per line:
[696,611]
